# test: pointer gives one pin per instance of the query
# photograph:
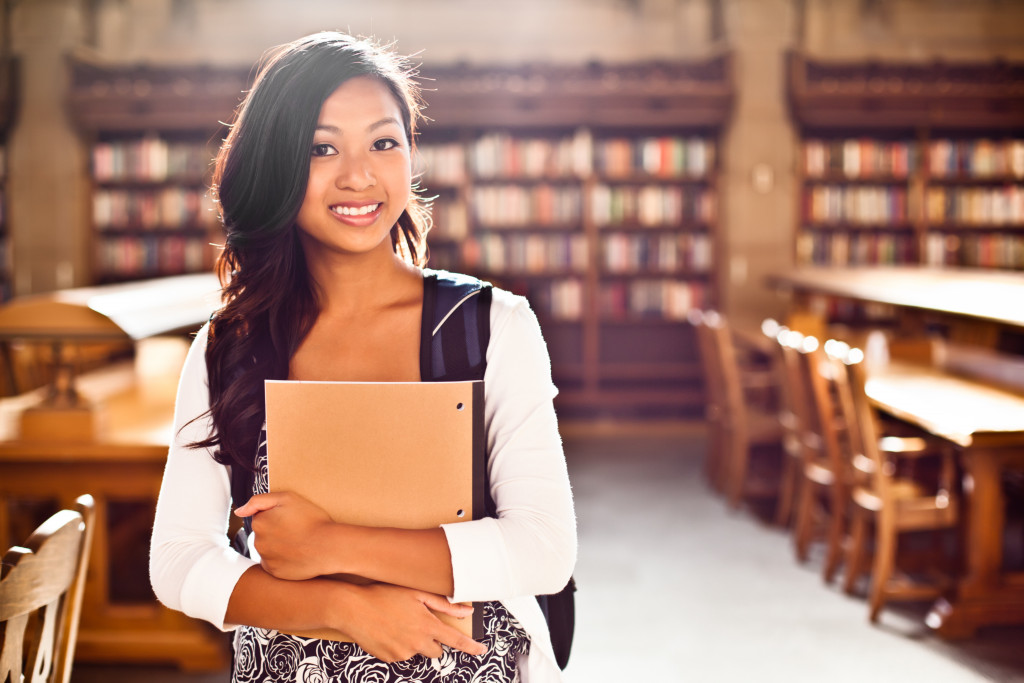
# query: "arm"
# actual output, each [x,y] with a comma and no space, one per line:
[194,570]
[529,550]
[297,540]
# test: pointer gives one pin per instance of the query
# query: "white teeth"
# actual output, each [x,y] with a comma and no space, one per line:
[352,211]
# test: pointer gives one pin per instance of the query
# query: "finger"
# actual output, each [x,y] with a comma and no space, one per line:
[259,503]
[459,641]
[439,603]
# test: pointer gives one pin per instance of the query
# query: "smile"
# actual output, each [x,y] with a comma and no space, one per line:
[355,210]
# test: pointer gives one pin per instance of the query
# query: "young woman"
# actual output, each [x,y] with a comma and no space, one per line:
[322,281]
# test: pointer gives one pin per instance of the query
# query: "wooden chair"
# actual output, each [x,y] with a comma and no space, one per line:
[790,417]
[823,475]
[743,432]
[883,496]
[41,597]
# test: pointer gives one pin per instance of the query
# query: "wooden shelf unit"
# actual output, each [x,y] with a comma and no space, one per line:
[9,88]
[904,164]
[153,132]
[591,190]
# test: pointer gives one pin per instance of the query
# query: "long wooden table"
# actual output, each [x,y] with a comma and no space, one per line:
[986,295]
[986,423]
[122,469]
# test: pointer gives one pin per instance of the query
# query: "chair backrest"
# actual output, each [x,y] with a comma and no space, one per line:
[715,407]
[792,346]
[723,351]
[826,421]
[869,465]
[40,598]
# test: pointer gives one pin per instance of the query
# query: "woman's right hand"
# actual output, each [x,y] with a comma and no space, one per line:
[394,623]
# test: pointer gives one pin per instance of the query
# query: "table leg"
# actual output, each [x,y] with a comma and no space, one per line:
[985,595]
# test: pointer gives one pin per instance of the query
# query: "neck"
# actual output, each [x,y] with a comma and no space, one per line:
[350,284]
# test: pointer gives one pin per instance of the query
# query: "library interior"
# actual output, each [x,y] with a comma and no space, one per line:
[775,249]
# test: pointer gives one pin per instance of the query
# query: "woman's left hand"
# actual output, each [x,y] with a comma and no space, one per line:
[291,534]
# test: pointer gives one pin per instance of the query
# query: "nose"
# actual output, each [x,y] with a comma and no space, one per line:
[355,172]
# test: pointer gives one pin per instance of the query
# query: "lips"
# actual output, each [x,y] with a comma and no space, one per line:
[357,215]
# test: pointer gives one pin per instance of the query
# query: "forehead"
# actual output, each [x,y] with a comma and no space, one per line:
[359,101]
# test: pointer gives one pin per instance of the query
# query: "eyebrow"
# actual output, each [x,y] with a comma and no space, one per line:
[372,127]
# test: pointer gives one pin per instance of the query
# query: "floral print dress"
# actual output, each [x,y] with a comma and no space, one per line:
[267,656]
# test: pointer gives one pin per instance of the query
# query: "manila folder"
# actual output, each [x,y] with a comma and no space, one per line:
[388,454]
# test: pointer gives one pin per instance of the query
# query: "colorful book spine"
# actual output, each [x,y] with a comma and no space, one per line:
[655,298]
[858,158]
[976,159]
[149,159]
[537,205]
[976,206]
[626,253]
[855,204]
[652,205]
[661,156]
[532,253]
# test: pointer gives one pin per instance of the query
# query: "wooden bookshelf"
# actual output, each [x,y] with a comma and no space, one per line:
[904,164]
[591,190]
[8,109]
[153,132]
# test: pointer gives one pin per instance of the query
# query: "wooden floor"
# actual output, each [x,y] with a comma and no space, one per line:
[674,587]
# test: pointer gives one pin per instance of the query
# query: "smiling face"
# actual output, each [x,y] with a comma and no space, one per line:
[359,172]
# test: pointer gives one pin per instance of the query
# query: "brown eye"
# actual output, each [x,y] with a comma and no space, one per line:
[323,150]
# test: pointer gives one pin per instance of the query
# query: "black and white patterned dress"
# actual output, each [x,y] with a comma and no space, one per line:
[267,656]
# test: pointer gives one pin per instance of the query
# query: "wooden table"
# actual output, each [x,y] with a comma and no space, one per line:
[988,295]
[987,424]
[122,469]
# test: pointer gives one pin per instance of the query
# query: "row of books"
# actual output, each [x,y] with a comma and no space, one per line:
[855,204]
[667,253]
[855,248]
[980,158]
[859,158]
[660,299]
[518,205]
[560,205]
[449,219]
[533,253]
[652,205]
[663,156]
[500,155]
[152,255]
[149,159]
[560,299]
[976,205]
[991,250]
[946,158]
[169,208]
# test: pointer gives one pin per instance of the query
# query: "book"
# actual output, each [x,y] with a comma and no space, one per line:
[391,454]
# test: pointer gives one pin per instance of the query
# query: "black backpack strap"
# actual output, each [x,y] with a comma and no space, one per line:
[456,327]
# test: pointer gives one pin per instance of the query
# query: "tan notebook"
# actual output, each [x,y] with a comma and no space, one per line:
[393,454]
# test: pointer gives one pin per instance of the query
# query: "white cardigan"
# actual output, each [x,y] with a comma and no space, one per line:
[530,549]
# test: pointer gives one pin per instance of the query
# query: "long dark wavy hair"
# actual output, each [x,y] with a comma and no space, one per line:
[269,300]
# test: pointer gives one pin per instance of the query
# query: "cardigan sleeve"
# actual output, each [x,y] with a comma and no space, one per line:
[192,567]
[530,549]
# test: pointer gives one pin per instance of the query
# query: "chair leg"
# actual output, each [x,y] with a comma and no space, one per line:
[787,490]
[836,524]
[803,528]
[856,551]
[884,565]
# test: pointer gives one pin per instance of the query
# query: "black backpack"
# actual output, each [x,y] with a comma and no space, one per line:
[456,315]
